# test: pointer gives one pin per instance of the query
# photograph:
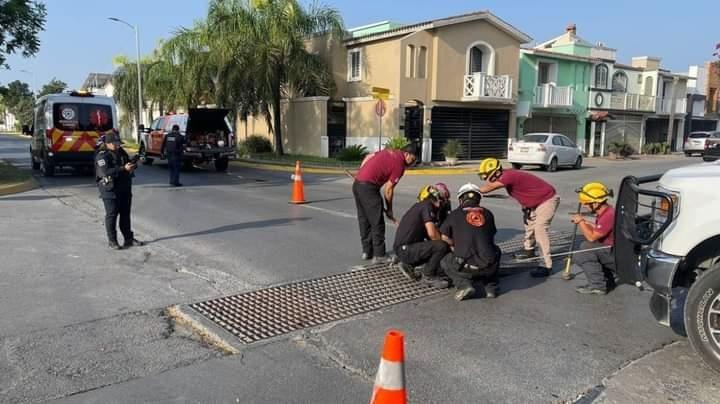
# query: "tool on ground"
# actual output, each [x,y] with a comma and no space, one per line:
[390,380]
[298,193]
[567,273]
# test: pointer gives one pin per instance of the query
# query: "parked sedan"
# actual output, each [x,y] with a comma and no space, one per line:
[695,142]
[548,150]
[712,147]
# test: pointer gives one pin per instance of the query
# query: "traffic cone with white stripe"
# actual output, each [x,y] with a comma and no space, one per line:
[298,193]
[390,380]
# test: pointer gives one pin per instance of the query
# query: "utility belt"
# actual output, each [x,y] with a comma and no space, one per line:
[464,265]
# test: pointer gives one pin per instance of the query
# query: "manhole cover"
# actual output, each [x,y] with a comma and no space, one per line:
[266,313]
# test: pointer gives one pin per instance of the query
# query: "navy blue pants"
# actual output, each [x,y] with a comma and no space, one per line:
[174,164]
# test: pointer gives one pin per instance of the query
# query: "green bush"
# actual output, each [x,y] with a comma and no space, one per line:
[657,148]
[397,142]
[453,148]
[258,144]
[622,149]
[352,153]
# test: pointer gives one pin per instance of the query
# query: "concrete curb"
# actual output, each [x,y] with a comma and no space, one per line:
[19,187]
[341,171]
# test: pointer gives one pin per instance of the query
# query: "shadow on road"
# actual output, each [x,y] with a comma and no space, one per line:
[235,227]
[29,198]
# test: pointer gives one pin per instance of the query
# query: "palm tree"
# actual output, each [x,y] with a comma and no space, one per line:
[266,39]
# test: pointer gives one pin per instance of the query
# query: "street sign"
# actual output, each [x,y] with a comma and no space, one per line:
[380,108]
[381,93]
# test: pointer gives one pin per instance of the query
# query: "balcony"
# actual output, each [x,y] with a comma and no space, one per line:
[607,99]
[664,105]
[550,96]
[485,87]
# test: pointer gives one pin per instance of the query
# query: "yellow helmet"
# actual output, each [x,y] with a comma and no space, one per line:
[428,191]
[488,167]
[594,192]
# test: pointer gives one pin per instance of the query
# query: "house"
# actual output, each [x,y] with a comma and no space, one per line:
[636,104]
[99,84]
[450,78]
[703,98]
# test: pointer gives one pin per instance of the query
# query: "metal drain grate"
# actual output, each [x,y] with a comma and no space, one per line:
[267,313]
[559,242]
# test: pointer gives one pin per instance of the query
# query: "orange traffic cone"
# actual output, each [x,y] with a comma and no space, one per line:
[298,194]
[390,380]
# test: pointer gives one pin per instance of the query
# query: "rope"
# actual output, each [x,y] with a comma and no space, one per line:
[561,254]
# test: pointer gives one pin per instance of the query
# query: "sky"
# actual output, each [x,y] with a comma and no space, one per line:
[79,39]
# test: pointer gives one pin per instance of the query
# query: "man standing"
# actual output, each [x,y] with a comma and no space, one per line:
[383,168]
[113,174]
[418,241]
[172,148]
[598,263]
[539,202]
[470,231]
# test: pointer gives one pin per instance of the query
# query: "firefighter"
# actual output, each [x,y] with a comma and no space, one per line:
[113,174]
[475,258]
[418,241]
[172,148]
[383,168]
[597,262]
[445,205]
[539,202]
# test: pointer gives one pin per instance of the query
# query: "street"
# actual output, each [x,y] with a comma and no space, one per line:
[80,323]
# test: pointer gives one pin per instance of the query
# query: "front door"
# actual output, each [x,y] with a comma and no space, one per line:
[414,127]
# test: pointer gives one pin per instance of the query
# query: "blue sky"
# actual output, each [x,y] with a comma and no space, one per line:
[79,39]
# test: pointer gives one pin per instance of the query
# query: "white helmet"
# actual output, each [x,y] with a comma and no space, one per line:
[469,187]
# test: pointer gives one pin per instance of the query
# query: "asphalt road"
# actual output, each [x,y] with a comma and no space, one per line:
[224,233]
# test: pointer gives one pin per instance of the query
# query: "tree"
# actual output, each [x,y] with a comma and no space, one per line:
[20,23]
[19,101]
[267,38]
[54,86]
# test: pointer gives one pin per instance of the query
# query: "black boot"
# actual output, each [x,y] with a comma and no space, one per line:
[525,254]
[133,242]
[491,291]
[540,272]
[114,245]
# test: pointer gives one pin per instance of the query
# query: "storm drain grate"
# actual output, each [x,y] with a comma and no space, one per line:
[268,313]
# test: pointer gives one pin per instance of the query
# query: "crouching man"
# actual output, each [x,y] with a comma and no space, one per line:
[475,258]
[418,241]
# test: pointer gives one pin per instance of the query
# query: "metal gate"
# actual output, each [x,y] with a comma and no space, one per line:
[624,129]
[482,132]
[336,127]
[554,124]
[414,127]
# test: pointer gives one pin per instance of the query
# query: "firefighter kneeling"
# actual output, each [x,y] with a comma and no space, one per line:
[475,258]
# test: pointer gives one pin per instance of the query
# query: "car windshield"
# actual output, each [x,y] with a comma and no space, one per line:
[699,135]
[535,138]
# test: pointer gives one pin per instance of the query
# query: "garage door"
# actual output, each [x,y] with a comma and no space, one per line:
[483,133]
[624,130]
[554,124]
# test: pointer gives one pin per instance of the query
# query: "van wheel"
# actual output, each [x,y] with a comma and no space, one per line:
[516,166]
[35,165]
[221,165]
[187,165]
[552,167]
[47,170]
[688,154]
[143,155]
[702,316]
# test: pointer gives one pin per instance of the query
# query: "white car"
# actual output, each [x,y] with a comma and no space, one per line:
[695,142]
[548,150]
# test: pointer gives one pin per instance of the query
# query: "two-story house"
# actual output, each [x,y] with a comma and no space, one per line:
[450,78]
[703,102]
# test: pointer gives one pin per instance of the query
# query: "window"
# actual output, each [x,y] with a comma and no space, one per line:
[155,124]
[557,141]
[82,117]
[601,76]
[567,142]
[547,73]
[476,60]
[648,85]
[355,65]
[422,63]
[535,138]
[480,58]
[40,115]
[410,61]
[619,82]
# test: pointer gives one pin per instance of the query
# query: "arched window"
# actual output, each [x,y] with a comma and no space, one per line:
[619,82]
[648,85]
[480,58]
[601,76]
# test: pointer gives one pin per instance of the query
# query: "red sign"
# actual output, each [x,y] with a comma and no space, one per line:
[380,108]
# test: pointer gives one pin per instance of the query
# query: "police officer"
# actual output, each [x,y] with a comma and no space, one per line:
[113,174]
[172,147]
[470,231]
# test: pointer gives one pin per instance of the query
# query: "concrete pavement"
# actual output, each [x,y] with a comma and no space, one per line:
[98,313]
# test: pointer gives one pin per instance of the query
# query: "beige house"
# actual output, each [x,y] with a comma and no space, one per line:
[451,78]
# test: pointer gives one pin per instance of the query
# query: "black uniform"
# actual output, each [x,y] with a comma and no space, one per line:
[115,186]
[475,255]
[172,147]
[411,240]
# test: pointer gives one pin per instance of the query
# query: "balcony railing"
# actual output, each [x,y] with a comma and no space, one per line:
[664,105]
[482,86]
[549,95]
[607,99]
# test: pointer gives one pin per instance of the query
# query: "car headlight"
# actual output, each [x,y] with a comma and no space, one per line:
[221,143]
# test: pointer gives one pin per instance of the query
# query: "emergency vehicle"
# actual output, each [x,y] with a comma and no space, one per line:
[208,137]
[66,128]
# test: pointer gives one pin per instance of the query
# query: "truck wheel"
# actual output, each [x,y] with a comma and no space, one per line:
[221,165]
[702,316]
[143,155]
[47,169]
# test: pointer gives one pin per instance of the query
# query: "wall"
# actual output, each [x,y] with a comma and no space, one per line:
[450,48]
[380,68]
[363,125]
[305,124]
[572,49]
[416,88]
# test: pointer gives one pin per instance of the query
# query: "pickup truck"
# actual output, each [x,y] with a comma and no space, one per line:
[668,235]
[208,135]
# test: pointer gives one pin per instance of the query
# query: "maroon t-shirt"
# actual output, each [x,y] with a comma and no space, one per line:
[386,165]
[526,188]
[604,224]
